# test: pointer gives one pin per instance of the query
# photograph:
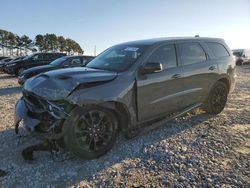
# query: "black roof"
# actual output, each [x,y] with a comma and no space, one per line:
[166,39]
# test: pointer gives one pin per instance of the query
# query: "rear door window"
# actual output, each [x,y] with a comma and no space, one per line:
[218,49]
[46,57]
[86,60]
[38,57]
[165,55]
[75,62]
[191,53]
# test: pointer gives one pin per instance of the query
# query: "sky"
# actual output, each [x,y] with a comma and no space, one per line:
[103,23]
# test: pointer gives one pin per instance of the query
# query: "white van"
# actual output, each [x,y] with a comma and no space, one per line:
[242,56]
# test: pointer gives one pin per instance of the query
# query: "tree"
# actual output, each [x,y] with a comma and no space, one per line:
[19,44]
[39,42]
[62,44]
[26,42]
[69,45]
[45,43]
[11,41]
[52,42]
[3,39]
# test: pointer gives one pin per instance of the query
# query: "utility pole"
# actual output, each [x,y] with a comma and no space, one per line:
[95,50]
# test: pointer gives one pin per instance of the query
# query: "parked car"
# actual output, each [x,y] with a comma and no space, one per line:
[13,60]
[3,63]
[124,88]
[3,57]
[242,56]
[62,62]
[33,60]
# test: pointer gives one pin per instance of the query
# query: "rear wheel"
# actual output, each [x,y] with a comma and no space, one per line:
[217,98]
[90,133]
[240,62]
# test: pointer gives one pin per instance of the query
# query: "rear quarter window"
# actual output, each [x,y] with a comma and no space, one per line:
[218,49]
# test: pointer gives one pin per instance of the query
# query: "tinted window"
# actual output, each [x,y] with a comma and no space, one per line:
[38,57]
[75,62]
[59,61]
[165,55]
[46,56]
[86,60]
[191,53]
[218,49]
[237,54]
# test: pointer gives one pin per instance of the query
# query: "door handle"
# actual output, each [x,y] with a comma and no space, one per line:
[212,68]
[176,76]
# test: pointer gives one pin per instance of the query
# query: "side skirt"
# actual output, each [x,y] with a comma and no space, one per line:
[158,122]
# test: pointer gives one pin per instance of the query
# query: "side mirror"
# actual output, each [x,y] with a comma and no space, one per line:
[151,67]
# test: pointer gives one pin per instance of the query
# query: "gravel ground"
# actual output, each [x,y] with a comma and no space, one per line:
[195,150]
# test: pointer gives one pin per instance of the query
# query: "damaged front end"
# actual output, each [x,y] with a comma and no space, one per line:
[39,114]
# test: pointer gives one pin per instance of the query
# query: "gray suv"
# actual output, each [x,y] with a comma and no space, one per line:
[126,87]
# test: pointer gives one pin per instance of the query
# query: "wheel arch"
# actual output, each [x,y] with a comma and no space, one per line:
[225,81]
[120,111]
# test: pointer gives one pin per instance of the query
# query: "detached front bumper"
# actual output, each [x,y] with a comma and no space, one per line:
[45,114]
[21,113]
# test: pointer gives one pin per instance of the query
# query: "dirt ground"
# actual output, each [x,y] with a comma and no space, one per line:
[195,150]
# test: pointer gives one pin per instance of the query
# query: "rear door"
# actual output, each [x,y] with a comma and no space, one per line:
[160,93]
[199,71]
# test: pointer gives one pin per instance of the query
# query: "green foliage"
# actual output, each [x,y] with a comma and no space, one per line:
[51,42]
[44,43]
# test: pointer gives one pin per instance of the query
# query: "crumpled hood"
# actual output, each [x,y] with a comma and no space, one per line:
[58,84]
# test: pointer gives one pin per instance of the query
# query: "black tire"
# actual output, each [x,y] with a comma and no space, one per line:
[19,71]
[96,129]
[239,62]
[217,98]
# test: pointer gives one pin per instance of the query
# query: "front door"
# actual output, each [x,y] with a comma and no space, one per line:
[160,93]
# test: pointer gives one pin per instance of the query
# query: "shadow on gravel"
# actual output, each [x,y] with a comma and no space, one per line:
[10,91]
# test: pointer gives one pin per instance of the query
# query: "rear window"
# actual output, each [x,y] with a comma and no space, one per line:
[192,53]
[218,49]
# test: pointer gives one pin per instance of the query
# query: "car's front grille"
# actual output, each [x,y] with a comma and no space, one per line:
[38,105]
[36,101]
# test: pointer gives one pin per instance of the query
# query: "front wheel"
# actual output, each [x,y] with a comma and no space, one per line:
[91,132]
[217,98]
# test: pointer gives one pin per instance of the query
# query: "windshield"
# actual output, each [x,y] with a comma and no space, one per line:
[237,54]
[118,58]
[59,61]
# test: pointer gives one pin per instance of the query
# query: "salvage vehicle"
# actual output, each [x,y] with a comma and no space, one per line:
[242,56]
[33,60]
[62,62]
[126,87]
